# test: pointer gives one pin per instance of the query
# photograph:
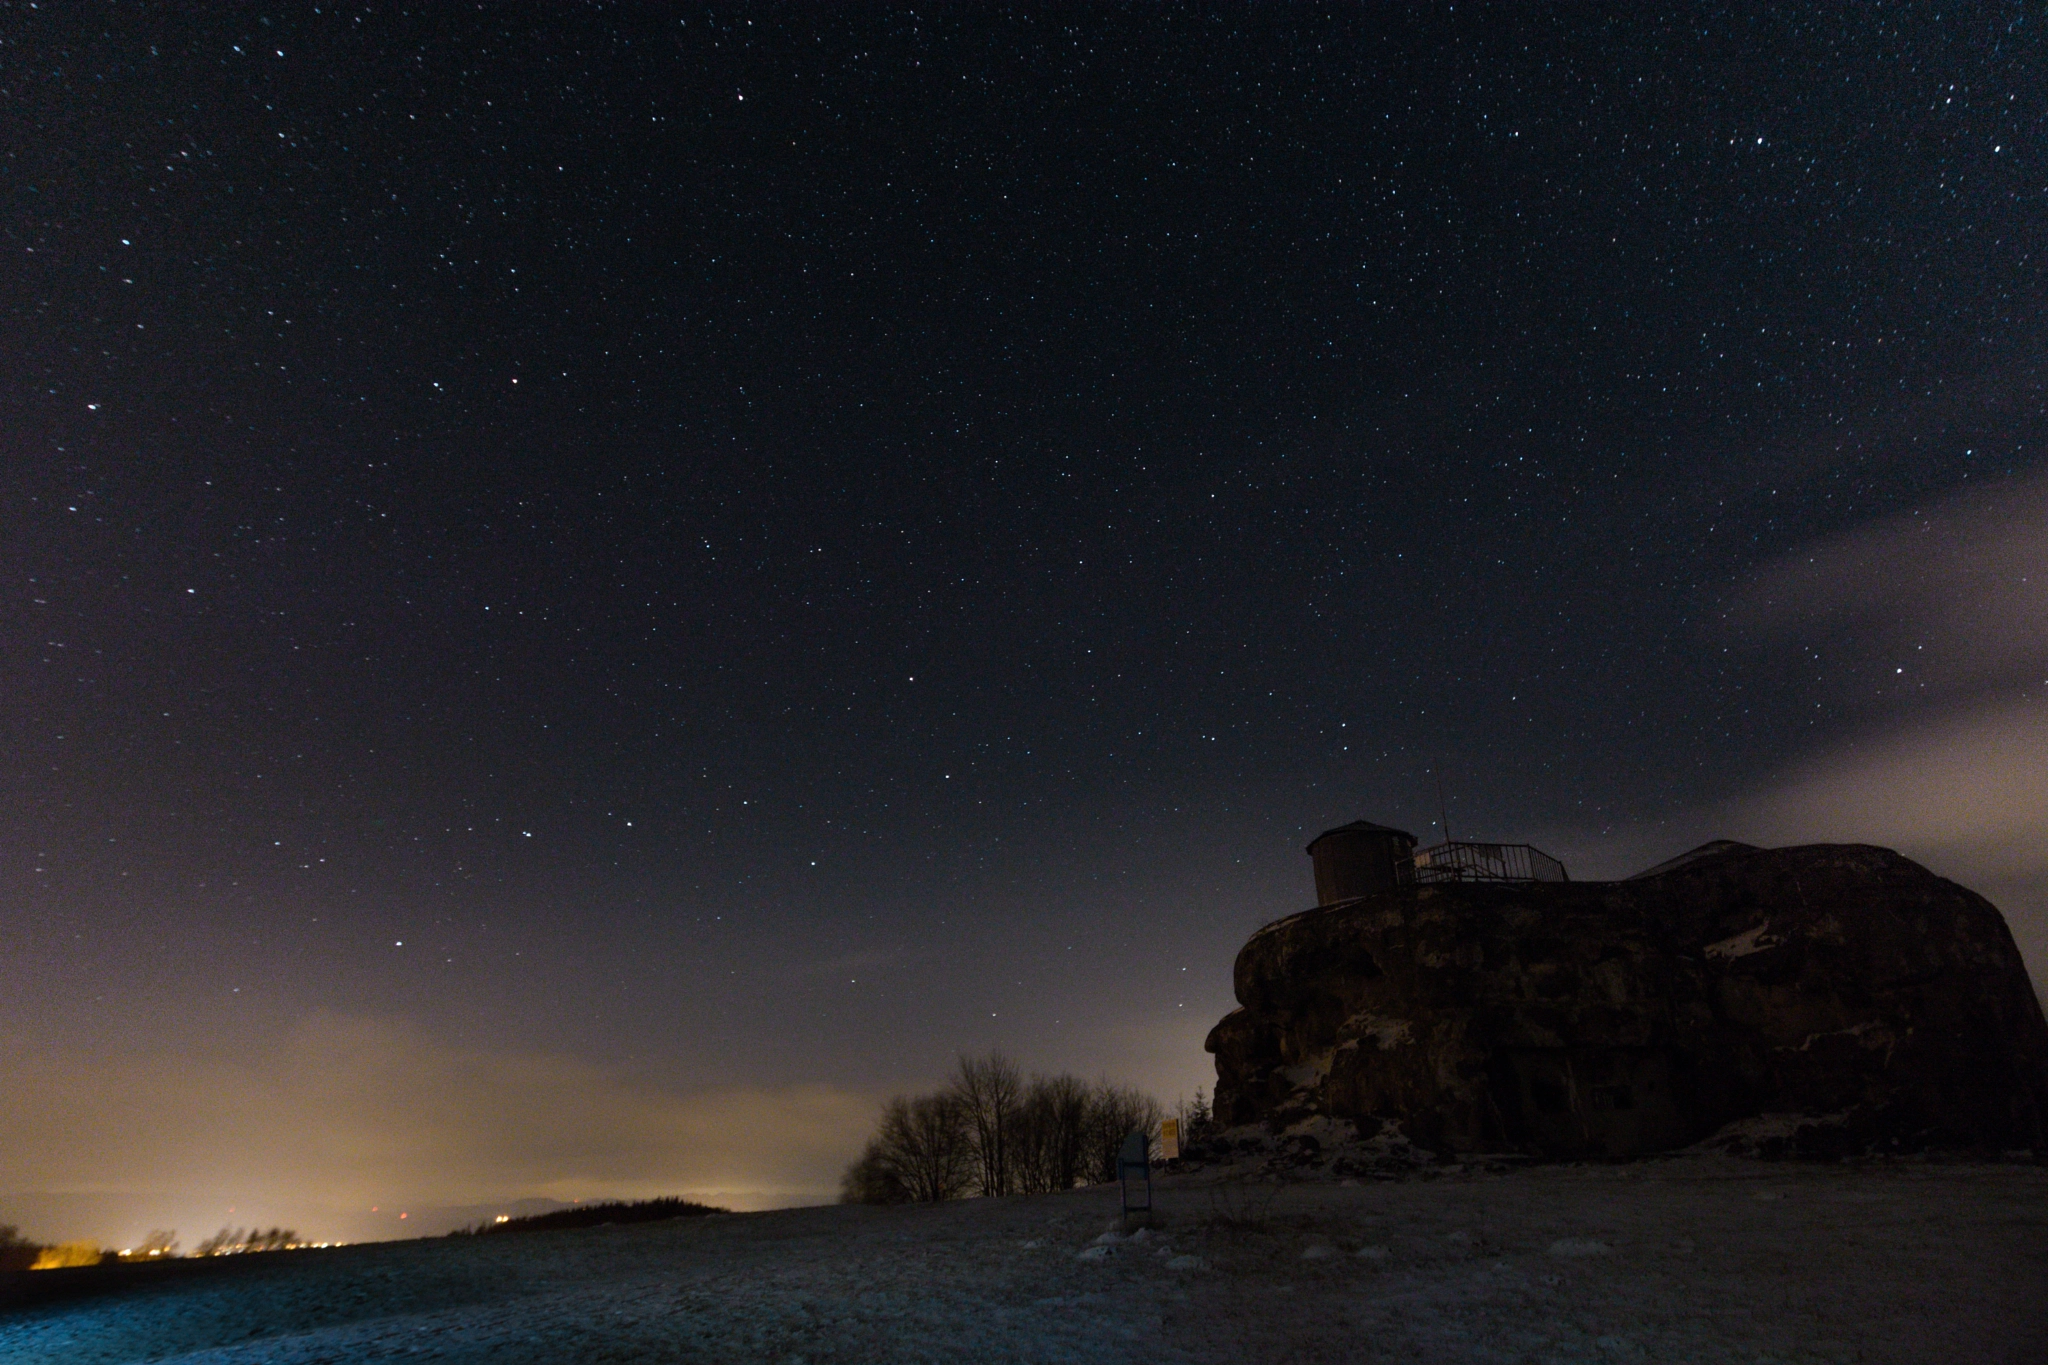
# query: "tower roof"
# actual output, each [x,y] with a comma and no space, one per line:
[1361,827]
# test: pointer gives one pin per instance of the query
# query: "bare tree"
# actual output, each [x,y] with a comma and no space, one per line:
[239,1241]
[872,1179]
[991,1132]
[1032,1141]
[223,1243]
[1068,1098]
[923,1145]
[989,1090]
[160,1242]
[1048,1148]
[1114,1112]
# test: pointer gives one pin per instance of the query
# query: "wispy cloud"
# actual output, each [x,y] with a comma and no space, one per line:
[1933,628]
[1970,788]
[1950,601]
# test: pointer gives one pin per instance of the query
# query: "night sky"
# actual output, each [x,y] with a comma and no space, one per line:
[590,590]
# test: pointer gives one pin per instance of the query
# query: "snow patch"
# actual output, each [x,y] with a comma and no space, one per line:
[1856,1031]
[1766,1134]
[1311,1071]
[1385,1031]
[1327,1132]
[1748,941]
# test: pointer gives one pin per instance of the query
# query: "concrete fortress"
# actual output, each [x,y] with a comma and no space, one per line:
[1842,990]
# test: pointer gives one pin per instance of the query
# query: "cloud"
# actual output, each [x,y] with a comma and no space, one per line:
[1957,595]
[1969,786]
[1965,794]
[344,1112]
[1950,763]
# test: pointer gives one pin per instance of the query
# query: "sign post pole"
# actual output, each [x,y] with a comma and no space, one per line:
[1134,1172]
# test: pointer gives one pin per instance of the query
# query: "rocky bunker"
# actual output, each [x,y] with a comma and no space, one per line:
[1841,988]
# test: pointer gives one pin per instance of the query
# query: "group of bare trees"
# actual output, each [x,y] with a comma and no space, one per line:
[237,1241]
[990,1131]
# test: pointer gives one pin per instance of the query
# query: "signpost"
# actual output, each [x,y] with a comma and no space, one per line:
[1134,1172]
[1169,1139]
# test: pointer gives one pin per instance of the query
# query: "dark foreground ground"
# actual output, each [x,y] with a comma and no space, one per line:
[1689,1259]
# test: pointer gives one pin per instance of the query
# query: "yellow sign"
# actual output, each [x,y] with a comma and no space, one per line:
[1169,1139]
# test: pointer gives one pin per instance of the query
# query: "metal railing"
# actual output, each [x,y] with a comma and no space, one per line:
[1459,861]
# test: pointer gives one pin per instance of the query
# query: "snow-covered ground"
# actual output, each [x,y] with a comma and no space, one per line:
[1694,1258]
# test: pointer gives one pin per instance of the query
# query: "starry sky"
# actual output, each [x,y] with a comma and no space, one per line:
[589,590]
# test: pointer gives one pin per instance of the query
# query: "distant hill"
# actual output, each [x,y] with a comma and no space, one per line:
[597,1215]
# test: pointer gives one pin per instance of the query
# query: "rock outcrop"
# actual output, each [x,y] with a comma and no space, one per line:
[1841,983]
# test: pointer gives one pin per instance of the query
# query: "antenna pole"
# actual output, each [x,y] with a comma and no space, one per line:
[1442,810]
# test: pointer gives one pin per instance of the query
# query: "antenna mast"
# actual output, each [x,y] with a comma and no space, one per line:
[1443,811]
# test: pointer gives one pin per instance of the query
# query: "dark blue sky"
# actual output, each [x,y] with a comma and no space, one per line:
[767,549]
